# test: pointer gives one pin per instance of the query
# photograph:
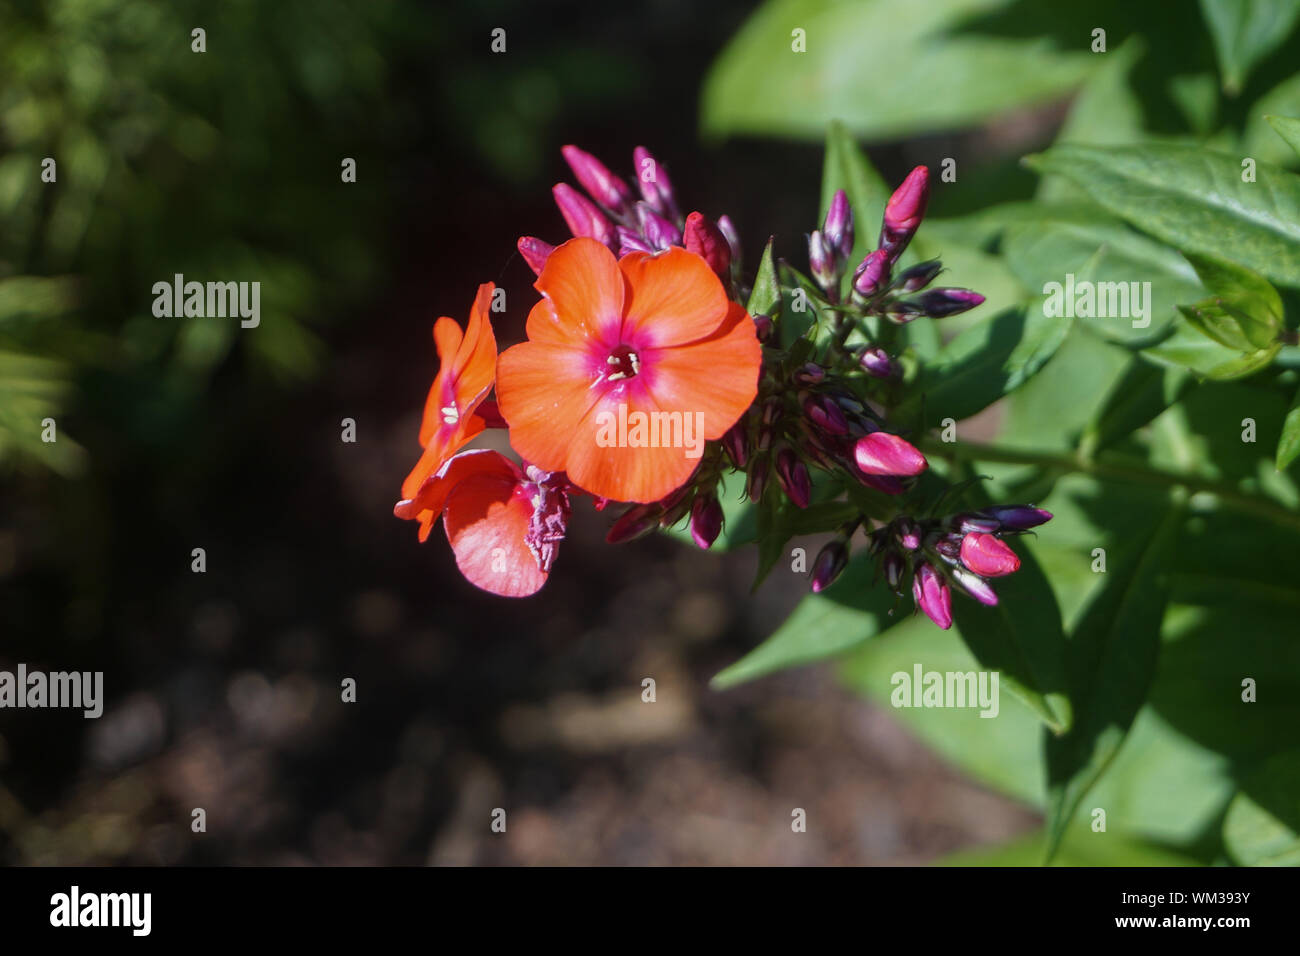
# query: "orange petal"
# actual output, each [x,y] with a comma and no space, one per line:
[544,392]
[717,376]
[674,298]
[426,487]
[487,519]
[476,361]
[583,283]
[447,338]
[619,470]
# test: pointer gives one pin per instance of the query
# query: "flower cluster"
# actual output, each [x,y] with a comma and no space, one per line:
[645,379]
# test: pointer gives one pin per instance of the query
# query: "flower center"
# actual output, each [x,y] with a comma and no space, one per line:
[623,363]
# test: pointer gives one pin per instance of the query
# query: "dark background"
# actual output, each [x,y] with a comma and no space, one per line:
[223,688]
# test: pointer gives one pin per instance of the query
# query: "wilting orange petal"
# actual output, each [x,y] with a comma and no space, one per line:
[487,518]
[585,288]
[717,376]
[674,298]
[543,392]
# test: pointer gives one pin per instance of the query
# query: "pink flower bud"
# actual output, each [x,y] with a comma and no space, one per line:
[581,214]
[734,444]
[932,595]
[702,237]
[794,478]
[881,453]
[602,185]
[904,211]
[988,556]
[975,586]
[535,252]
[706,520]
[838,226]
[821,261]
[656,188]
[872,274]
[825,415]
[728,229]
[876,362]
[828,566]
[810,373]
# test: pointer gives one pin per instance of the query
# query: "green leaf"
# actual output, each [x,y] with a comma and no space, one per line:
[1246,31]
[846,167]
[1193,199]
[847,613]
[1022,638]
[1255,305]
[887,68]
[765,299]
[1262,826]
[1143,392]
[985,362]
[1080,850]
[1230,326]
[1111,661]
[1288,446]
[1288,128]
[1188,347]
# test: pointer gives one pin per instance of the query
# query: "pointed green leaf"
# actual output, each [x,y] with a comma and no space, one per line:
[1288,447]
[1288,128]
[1246,31]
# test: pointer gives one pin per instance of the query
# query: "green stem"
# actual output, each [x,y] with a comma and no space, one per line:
[1111,468]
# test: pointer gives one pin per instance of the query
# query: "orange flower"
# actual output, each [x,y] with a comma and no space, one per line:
[630,365]
[504,524]
[467,365]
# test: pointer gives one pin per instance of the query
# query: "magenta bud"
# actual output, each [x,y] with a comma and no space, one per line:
[838,226]
[875,361]
[919,276]
[757,483]
[734,443]
[635,522]
[652,179]
[659,232]
[630,241]
[909,534]
[821,261]
[904,211]
[988,556]
[706,520]
[535,252]
[703,237]
[932,595]
[829,564]
[893,564]
[940,303]
[581,214]
[871,274]
[675,506]
[763,327]
[602,185]
[728,229]
[793,475]
[975,586]
[1017,517]
[826,415]
[888,484]
[881,453]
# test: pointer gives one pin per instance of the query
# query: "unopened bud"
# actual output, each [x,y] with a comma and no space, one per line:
[941,303]
[656,188]
[535,252]
[872,274]
[728,229]
[919,276]
[659,232]
[793,475]
[703,237]
[904,211]
[582,215]
[829,564]
[838,226]
[821,261]
[1018,517]
[635,522]
[706,520]
[875,361]
[602,185]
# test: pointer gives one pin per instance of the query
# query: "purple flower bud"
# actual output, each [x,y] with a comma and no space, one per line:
[675,506]
[734,443]
[838,226]
[948,548]
[881,453]
[659,232]
[602,185]
[909,534]
[875,361]
[940,303]
[535,252]
[904,211]
[728,229]
[919,276]
[1017,517]
[656,188]
[893,565]
[810,373]
[871,274]
[581,214]
[821,261]
[793,475]
[757,482]
[902,311]
[630,241]
[829,564]
[971,524]
[702,237]
[763,327]
[932,595]
[635,522]
[975,586]
[826,415]
[889,484]
[706,520]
